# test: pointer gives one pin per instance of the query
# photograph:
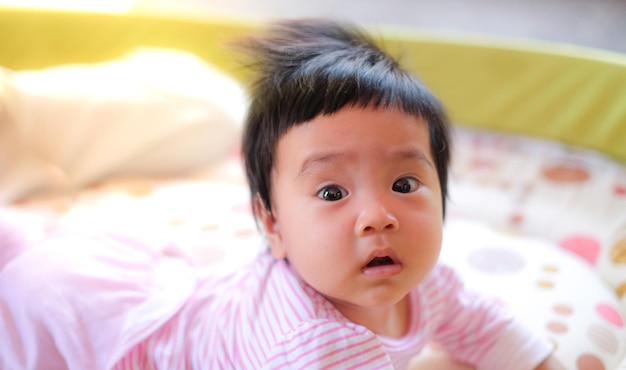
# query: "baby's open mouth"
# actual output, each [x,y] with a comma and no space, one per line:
[380,261]
[382,266]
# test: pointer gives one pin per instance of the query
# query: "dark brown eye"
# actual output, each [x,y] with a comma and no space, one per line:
[405,185]
[332,193]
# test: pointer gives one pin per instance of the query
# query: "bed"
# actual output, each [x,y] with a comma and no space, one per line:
[130,123]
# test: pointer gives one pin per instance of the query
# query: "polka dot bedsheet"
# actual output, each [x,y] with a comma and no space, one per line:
[539,226]
[547,235]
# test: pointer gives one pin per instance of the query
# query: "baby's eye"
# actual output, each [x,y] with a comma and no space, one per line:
[405,185]
[332,193]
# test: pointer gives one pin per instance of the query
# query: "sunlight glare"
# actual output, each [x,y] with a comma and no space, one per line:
[105,6]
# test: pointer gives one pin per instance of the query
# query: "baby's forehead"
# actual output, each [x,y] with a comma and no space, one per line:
[354,130]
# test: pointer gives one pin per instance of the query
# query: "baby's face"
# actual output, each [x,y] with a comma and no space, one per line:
[357,205]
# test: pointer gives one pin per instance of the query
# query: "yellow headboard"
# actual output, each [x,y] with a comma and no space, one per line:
[571,94]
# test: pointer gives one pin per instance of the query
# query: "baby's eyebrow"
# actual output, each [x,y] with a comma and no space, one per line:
[320,160]
[411,154]
[325,158]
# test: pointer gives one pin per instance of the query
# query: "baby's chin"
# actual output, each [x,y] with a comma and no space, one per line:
[380,297]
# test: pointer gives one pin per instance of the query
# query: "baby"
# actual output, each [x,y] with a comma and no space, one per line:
[346,155]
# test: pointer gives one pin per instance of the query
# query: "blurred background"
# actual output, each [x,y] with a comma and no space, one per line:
[597,24]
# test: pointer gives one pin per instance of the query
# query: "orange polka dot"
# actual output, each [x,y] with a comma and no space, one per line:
[557,327]
[244,233]
[210,227]
[621,290]
[618,251]
[619,190]
[516,219]
[589,362]
[176,222]
[551,268]
[545,284]
[566,173]
[563,309]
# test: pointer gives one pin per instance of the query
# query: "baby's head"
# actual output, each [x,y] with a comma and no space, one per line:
[307,68]
[346,156]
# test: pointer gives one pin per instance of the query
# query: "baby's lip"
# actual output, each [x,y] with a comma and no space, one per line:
[382,264]
[381,257]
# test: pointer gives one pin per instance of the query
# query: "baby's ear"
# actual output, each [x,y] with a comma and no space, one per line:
[269,224]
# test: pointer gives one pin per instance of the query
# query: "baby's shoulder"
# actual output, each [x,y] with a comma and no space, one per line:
[264,293]
[441,290]
[442,275]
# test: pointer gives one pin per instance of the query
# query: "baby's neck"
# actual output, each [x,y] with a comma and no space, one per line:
[391,321]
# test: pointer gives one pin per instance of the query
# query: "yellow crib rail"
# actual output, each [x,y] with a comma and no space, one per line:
[571,94]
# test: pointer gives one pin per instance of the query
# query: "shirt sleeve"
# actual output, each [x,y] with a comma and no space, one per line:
[326,344]
[479,331]
[82,302]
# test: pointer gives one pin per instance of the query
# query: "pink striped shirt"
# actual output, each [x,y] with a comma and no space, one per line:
[262,317]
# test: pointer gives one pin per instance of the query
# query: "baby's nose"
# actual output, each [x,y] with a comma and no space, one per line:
[375,218]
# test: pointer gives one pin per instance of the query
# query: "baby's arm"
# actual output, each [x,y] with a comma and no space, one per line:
[497,339]
[435,358]
[82,302]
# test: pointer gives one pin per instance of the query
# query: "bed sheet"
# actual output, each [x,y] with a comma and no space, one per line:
[539,226]
[561,213]
[573,197]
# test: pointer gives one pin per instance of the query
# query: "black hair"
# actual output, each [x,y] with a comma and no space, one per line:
[308,67]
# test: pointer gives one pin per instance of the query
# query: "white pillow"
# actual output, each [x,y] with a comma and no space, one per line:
[151,112]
